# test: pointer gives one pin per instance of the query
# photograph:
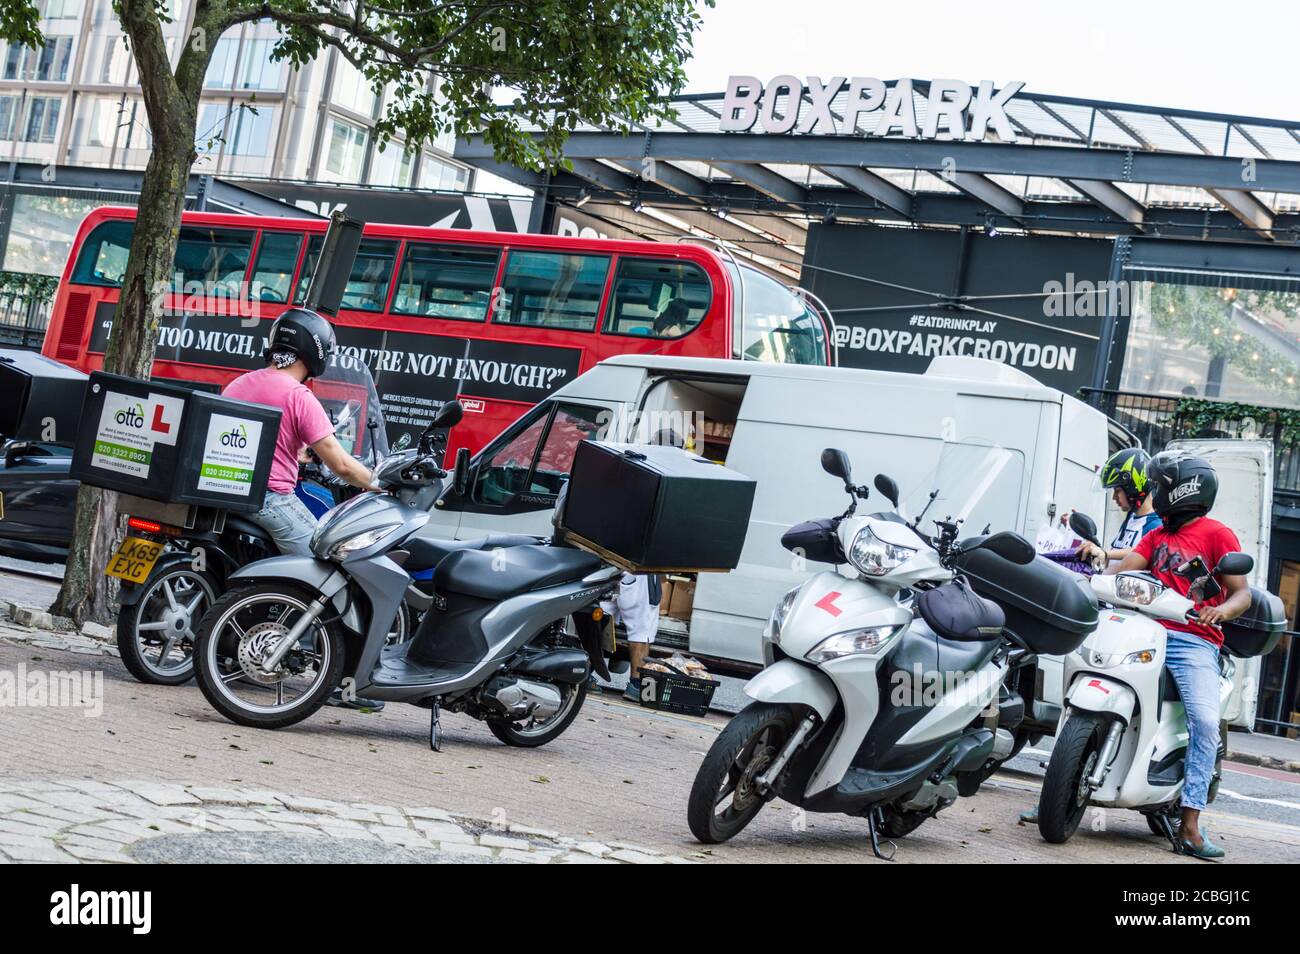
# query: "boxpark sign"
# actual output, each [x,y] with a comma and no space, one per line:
[787,104]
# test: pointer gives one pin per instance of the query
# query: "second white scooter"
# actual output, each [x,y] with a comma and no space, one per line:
[1123,741]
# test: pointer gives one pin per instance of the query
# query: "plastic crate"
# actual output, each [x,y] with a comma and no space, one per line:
[676,691]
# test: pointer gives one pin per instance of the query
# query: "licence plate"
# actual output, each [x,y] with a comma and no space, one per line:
[133,559]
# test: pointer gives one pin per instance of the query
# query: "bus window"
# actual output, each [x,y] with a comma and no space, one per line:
[537,458]
[777,325]
[103,257]
[368,285]
[277,257]
[446,281]
[657,299]
[552,290]
[212,258]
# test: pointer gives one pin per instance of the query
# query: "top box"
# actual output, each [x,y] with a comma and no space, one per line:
[652,509]
[172,444]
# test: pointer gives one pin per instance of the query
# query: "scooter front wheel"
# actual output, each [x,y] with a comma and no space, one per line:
[240,631]
[1065,792]
[725,797]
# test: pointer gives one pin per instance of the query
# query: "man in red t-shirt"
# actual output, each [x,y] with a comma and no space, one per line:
[1183,490]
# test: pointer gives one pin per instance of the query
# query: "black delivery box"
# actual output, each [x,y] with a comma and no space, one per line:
[40,399]
[656,509]
[169,443]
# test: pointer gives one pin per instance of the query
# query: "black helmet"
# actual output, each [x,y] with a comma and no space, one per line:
[306,334]
[1127,470]
[1182,486]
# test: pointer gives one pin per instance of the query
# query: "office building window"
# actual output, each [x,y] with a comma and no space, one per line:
[8,116]
[42,122]
[256,68]
[345,150]
[42,232]
[48,63]
[221,68]
[392,165]
[436,174]
[250,130]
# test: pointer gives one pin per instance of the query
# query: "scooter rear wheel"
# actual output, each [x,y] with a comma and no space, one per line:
[724,798]
[1065,794]
[155,634]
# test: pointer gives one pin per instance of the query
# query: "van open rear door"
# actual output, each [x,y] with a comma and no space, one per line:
[1244,503]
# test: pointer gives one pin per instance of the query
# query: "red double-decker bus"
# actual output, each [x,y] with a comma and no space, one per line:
[498,320]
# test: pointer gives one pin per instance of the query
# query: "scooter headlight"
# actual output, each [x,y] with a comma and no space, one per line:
[341,549]
[853,642]
[873,556]
[777,619]
[1136,590]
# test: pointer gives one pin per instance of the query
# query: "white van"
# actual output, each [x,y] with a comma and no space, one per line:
[771,422]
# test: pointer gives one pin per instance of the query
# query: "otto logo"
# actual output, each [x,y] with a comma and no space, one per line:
[1185,489]
[235,437]
[131,416]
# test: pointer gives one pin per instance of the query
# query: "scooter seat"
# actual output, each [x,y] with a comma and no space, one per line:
[955,611]
[428,552]
[501,574]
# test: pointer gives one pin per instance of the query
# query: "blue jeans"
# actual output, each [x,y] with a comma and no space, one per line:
[1194,664]
[288,521]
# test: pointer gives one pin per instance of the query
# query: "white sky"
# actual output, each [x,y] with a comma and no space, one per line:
[1241,58]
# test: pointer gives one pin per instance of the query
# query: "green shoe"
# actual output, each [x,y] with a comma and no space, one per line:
[1208,851]
[1029,817]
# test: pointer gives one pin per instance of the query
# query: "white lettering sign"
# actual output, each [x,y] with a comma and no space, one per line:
[954,110]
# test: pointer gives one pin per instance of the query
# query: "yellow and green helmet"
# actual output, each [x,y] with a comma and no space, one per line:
[1127,470]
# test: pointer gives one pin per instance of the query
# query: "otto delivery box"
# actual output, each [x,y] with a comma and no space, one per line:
[169,443]
[651,509]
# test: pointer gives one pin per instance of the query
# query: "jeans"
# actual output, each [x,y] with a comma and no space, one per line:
[1194,664]
[288,521]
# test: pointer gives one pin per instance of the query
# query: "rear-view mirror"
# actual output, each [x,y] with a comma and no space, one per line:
[460,482]
[1235,564]
[887,488]
[836,463]
[1084,526]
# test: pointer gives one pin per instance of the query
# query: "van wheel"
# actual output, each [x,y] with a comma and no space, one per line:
[1065,793]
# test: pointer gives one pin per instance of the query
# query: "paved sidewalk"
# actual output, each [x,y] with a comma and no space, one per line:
[125,822]
[1269,751]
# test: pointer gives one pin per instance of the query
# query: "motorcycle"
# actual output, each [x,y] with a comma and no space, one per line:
[884,694]
[159,616]
[1123,741]
[494,643]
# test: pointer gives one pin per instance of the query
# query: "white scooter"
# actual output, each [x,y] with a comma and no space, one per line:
[862,709]
[1123,739]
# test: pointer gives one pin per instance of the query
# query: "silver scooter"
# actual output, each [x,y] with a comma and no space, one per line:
[884,695]
[493,644]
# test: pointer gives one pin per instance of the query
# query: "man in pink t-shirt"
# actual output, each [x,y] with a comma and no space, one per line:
[300,346]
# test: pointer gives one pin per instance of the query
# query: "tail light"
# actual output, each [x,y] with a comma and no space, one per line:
[141,525]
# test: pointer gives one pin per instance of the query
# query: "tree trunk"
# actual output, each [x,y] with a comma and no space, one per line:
[172,108]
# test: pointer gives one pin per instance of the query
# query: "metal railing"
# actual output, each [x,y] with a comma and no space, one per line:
[25,303]
[1279,687]
[1157,419]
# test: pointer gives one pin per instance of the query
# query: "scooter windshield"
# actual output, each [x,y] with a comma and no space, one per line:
[347,392]
[978,483]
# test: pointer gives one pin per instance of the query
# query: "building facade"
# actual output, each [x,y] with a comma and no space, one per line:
[76,102]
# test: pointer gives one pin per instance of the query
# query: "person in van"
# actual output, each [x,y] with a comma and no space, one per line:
[300,345]
[1183,489]
[1125,474]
